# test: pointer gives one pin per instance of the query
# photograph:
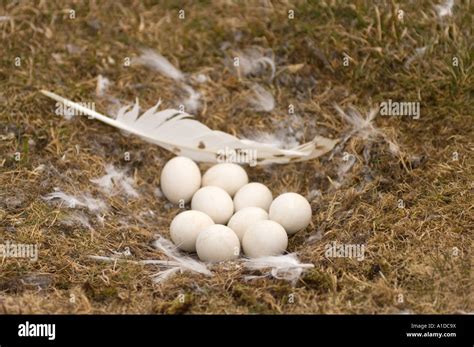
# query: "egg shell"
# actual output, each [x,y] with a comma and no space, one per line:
[253,195]
[180,179]
[217,243]
[292,211]
[264,238]
[228,176]
[247,216]
[185,228]
[215,202]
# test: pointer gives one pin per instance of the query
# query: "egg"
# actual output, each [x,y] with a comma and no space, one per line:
[228,176]
[180,179]
[215,202]
[292,211]
[264,238]
[253,195]
[185,228]
[247,216]
[217,243]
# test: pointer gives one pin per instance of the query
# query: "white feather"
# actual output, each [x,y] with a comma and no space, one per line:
[286,267]
[103,84]
[156,61]
[163,275]
[313,194]
[71,201]
[116,181]
[364,128]
[345,167]
[200,78]
[252,61]
[192,103]
[183,263]
[419,52]
[77,218]
[262,99]
[178,262]
[445,9]
[179,133]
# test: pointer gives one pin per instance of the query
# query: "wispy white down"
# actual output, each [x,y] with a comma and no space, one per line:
[313,194]
[125,253]
[192,102]
[103,84]
[252,61]
[157,62]
[5,18]
[77,218]
[345,167]
[262,99]
[116,182]
[364,128]
[286,267]
[361,126]
[71,201]
[419,52]
[160,277]
[178,263]
[445,9]
[200,78]
[114,105]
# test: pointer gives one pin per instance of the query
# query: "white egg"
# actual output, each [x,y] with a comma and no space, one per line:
[185,228]
[241,220]
[253,195]
[215,202]
[292,211]
[228,176]
[180,179]
[264,238]
[217,243]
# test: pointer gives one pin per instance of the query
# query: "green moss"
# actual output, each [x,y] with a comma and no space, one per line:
[180,305]
[246,296]
[318,280]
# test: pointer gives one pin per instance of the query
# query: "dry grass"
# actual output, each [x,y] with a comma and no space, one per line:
[410,251]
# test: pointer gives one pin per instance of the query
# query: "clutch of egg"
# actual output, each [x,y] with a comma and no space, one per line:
[228,214]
